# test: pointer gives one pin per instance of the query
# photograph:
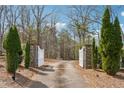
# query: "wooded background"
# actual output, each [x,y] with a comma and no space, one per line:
[37,24]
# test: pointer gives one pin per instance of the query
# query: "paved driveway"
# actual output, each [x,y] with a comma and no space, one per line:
[61,74]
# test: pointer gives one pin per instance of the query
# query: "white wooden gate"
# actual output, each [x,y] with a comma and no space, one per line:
[82,57]
[40,56]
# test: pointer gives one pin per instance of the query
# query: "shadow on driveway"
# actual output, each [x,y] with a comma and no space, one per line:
[26,82]
[37,72]
[119,77]
[46,68]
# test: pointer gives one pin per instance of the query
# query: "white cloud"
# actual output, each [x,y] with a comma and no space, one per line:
[122,27]
[48,24]
[60,26]
[98,30]
[122,13]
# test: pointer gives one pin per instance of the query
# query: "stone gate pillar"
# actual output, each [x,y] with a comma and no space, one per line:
[36,55]
[33,55]
[85,56]
[88,56]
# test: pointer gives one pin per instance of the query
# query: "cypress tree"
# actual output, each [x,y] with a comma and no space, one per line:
[96,52]
[94,55]
[110,50]
[105,41]
[27,55]
[117,45]
[12,46]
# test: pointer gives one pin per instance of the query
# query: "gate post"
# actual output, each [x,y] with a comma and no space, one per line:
[37,56]
[85,56]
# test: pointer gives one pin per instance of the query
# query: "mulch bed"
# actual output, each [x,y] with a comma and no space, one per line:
[99,79]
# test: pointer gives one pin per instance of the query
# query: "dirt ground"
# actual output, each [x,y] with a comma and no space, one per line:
[59,74]
[99,79]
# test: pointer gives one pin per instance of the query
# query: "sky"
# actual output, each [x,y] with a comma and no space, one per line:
[62,10]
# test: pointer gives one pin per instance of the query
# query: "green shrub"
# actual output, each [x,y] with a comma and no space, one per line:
[99,60]
[27,55]
[12,46]
[12,62]
[94,55]
[122,56]
[110,44]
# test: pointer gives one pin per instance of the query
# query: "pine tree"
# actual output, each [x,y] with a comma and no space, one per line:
[110,50]
[12,46]
[117,45]
[27,55]
[94,55]
[96,52]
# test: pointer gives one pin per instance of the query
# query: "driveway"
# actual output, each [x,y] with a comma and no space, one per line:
[61,74]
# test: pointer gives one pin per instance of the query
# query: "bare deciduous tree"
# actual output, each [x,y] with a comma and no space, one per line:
[12,15]
[2,26]
[82,18]
[40,16]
